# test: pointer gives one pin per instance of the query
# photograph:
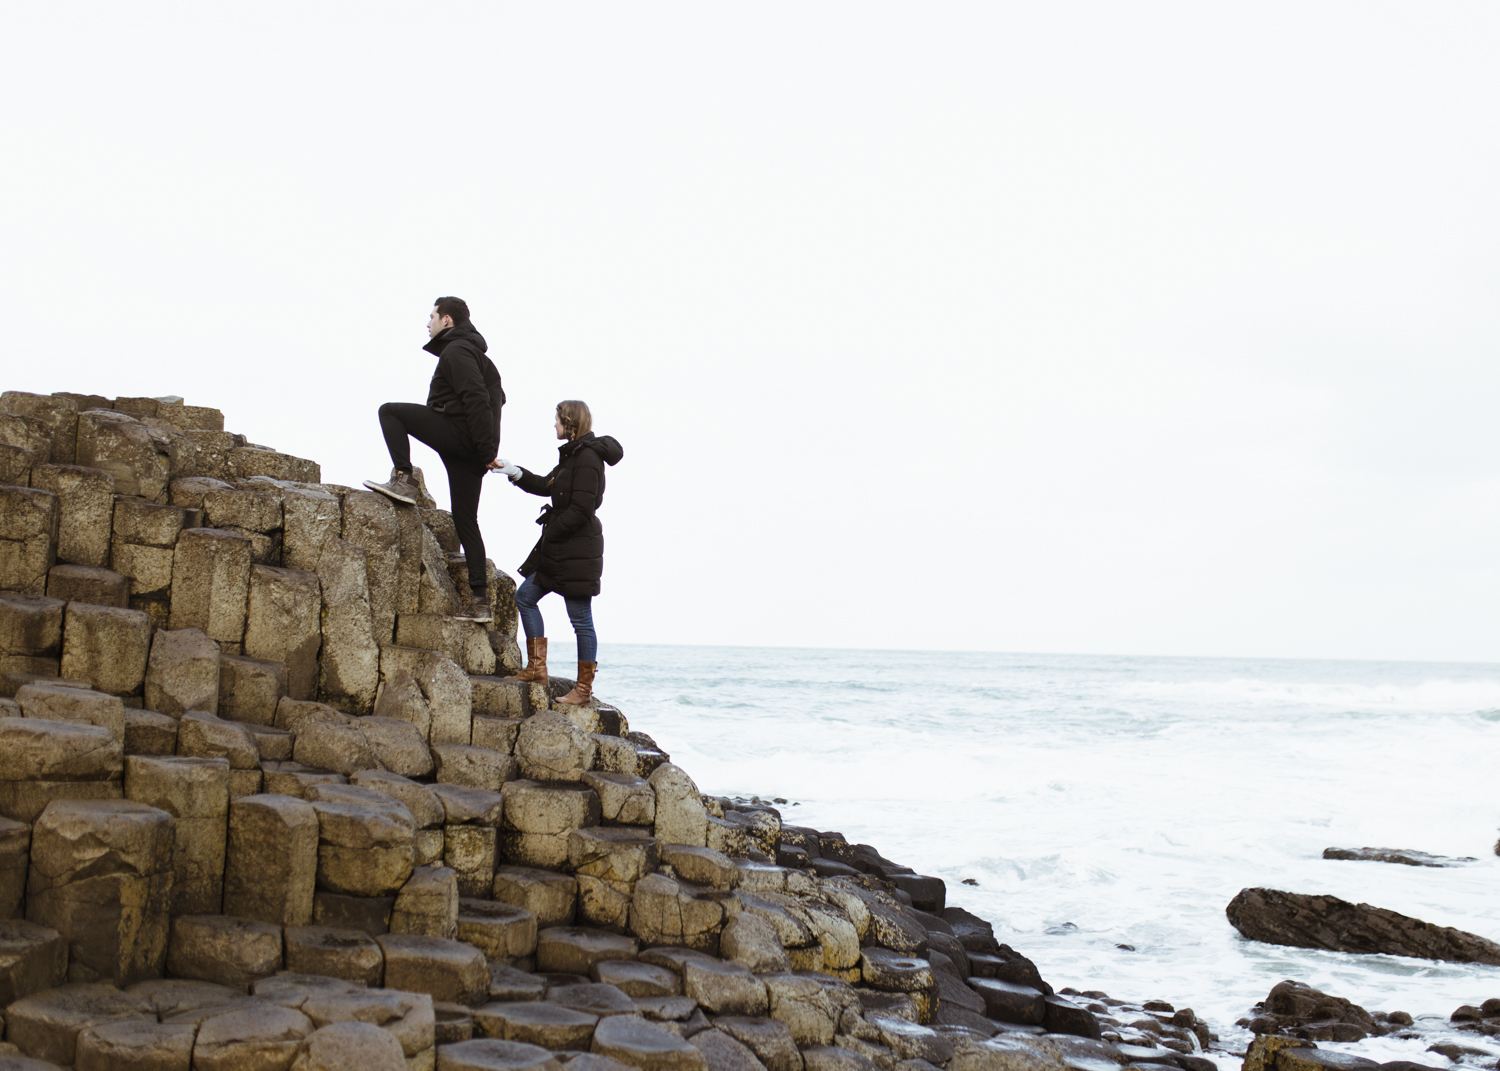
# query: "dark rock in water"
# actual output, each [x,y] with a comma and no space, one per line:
[973,932]
[1404,856]
[1064,1017]
[1322,1060]
[1407,1065]
[1011,1003]
[1299,1010]
[1007,965]
[1307,920]
[1484,1019]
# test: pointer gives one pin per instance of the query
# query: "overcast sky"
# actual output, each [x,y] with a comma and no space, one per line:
[1143,328]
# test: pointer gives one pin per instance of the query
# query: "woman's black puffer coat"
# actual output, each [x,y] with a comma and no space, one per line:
[569,558]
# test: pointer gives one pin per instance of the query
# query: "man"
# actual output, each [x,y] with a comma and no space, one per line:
[461,421]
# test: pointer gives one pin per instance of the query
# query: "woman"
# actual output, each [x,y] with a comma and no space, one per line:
[569,557]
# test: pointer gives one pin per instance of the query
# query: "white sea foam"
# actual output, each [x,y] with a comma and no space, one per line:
[1101,802]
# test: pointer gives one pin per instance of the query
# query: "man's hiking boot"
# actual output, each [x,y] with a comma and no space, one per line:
[402,487]
[474,608]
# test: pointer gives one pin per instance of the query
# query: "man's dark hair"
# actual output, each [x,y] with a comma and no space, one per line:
[454,307]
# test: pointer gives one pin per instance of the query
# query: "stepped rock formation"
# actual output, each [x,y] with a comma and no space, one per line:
[265,804]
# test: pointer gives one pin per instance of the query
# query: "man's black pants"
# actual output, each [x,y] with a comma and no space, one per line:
[465,470]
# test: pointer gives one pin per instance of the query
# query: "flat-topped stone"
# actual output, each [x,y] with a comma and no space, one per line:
[32,958]
[550,896]
[501,931]
[37,749]
[624,799]
[637,979]
[537,1022]
[135,1045]
[464,805]
[595,998]
[495,1054]
[575,949]
[444,969]
[231,951]
[637,1043]
[46,1025]
[336,953]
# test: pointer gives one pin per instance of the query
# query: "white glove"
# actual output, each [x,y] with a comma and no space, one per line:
[510,468]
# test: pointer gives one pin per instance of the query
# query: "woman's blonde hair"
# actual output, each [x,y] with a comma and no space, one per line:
[575,418]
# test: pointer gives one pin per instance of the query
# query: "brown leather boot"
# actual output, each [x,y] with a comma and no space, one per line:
[583,691]
[536,661]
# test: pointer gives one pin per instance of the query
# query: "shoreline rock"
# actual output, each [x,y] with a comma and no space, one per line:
[1308,920]
[1402,856]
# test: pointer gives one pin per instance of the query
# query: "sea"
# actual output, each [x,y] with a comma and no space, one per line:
[1102,811]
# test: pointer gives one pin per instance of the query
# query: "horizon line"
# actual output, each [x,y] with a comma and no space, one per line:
[1069,654]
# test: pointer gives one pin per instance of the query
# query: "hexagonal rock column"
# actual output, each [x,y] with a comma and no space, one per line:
[195,792]
[350,1047]
[272,859]
[46,1025]
[668,912]
[105,647]
[249,689]
[624,799]
[252,1035]
[86,503]
[15,852]
[681,817]
[88,583]
[136,1045]
[56,413]
[334,953]
[448,696]
[349,663]
[30,631]
[576,949]
[539,817]
[101,875]
[496,1054]
[284,624]
[408,1017]
[55,701]
[501,931]
[28,538]
[469,837]
[32,958]
[444,969]
[42,761]
[228,951]
[608,862]
[211,583]
[182,672]
[550,896]
[537,1022]
[427,905]
[426,808]
[137,458]
[551,748]
[645,1045]
[364,849]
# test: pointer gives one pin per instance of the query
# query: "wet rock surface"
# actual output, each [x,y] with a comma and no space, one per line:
[1320,921]
[1401,856]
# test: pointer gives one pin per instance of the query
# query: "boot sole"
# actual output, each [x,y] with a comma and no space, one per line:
[485,620]
[392,495]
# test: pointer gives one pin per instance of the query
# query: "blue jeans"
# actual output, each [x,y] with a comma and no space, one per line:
[580,612]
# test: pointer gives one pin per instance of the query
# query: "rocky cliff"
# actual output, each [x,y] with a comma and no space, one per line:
[266,805]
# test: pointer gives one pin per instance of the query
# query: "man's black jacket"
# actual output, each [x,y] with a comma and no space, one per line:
[466,387]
